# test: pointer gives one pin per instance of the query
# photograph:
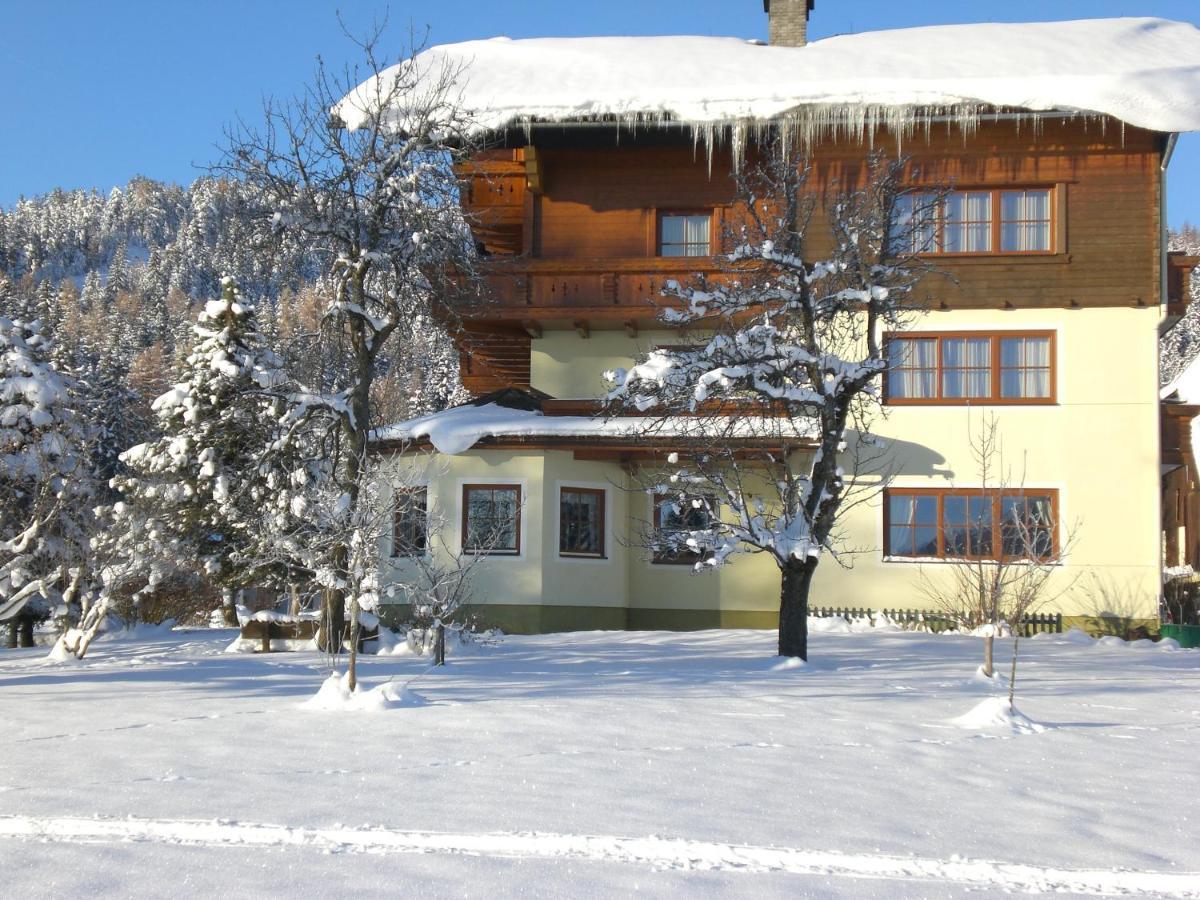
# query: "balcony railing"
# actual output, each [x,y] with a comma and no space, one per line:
[587,288]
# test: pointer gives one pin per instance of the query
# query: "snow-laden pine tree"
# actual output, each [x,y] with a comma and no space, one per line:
[770,394]
[46,485]
[196,495]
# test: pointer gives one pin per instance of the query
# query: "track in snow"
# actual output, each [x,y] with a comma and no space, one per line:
[658,853]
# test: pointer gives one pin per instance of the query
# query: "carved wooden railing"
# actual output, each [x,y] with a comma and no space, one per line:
[587,288]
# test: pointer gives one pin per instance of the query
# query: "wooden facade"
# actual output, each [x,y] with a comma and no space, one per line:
[1180,473]
[1181,488]
[568,223]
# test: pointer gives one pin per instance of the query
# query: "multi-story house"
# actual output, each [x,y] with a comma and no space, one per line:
[609,175]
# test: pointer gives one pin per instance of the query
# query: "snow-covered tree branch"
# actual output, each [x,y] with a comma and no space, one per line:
[778,370]
[381,200]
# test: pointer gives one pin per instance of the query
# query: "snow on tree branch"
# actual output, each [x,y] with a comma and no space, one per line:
[788,345]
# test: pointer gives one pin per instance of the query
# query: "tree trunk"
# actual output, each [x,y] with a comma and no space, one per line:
[229,608]
[333,621]
[989,656]
[12,634]
[439,644]
[294,603]
[793,608]
[26,635]
[1012,675]
[355,629]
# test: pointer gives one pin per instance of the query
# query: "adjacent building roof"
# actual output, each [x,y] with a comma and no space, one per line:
[517,414]
[1142,71]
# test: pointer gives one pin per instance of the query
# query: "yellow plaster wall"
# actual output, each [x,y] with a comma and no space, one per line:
[565,365]
[1098,446]
[501,579]
[750,582]
[586,582]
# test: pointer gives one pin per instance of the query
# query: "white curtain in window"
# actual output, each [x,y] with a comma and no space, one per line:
[968,222]
[672,230]
[913,365]
[696,232]
[914,224]
[966,367]
[1025,221]
[1025,367]
[685,235]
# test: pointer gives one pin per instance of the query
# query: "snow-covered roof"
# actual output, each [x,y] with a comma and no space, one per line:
[458,429]
[1185,386]
[1143,71]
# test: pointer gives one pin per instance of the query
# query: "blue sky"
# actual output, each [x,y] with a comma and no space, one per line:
[98,92]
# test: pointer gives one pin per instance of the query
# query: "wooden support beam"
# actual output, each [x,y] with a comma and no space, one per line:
[532,328]
[582,327]
[631,328]
[533,171]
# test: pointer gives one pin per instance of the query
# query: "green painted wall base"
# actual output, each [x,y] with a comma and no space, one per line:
[1121,626]
[514,618]
[699,619]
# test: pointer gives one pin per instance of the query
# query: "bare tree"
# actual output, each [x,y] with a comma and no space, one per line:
[364,170]
[1008,546]
[438,578]
[326,541]
[770,403]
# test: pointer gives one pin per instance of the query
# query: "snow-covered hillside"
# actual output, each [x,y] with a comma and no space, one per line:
[603,764]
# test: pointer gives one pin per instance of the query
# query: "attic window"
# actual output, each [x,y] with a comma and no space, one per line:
[685,234]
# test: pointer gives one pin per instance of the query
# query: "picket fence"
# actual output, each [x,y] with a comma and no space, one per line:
[926,620]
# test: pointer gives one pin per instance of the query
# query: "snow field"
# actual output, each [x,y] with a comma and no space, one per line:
[602,762]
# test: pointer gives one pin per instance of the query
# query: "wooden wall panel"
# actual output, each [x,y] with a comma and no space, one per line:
[601,203]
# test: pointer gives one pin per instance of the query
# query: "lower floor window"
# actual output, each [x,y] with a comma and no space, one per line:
[581,522]
[675,518]
[492,518]
[410,524]
[970,524]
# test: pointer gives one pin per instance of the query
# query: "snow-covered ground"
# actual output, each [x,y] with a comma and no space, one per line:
[602,764]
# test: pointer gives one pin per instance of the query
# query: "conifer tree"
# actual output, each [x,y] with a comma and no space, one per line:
[45,481]
[197,492]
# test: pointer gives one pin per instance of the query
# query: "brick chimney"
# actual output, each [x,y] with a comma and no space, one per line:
[789,21]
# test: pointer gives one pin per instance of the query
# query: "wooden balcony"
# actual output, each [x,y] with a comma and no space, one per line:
[586,292]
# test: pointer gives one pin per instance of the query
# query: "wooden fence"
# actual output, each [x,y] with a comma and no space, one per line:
[926,620]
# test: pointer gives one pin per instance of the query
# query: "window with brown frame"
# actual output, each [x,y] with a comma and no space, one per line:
[949,523]
[976,221]
[673,519]
[685,234]
[492,518]
[1013,367]
[581,522]
[410,522]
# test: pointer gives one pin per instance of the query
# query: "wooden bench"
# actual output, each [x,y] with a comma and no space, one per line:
[20,629]
[266,631]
